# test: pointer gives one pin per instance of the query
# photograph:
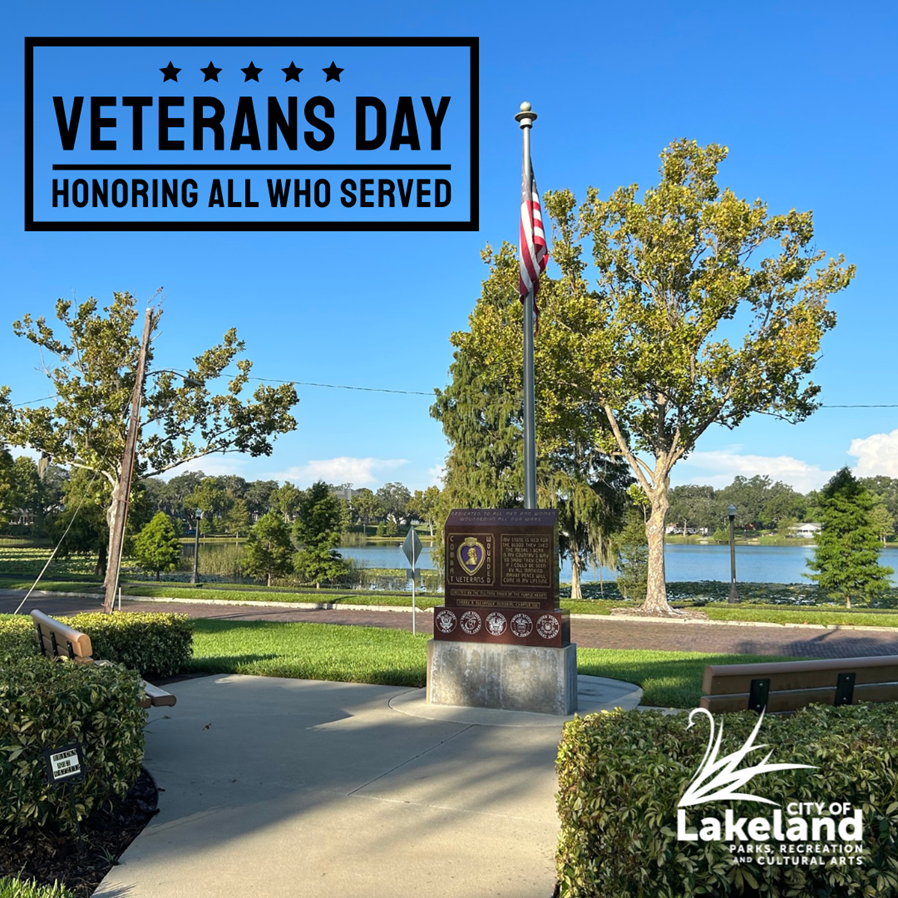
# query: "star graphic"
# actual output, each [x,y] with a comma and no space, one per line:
[251,72]
[291,72]
[210,72]
[170,72]
[332,72]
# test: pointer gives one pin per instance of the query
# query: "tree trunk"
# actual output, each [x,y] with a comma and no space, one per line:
[100,569]
[113,547]
[656,589]
[268,581]
[576,565]
[157,576]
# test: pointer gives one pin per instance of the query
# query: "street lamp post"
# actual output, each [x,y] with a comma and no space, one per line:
[195,577]
[733,597]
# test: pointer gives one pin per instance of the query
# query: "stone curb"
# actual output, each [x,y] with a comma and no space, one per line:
[632,618]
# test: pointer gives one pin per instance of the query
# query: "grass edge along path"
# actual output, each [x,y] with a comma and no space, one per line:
[11,887]
[396,658]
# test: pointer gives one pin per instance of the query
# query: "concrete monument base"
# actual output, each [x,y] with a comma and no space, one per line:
[509,677]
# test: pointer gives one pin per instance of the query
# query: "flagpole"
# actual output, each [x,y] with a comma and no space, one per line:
[526,118]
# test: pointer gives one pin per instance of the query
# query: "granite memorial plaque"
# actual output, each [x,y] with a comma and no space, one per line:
[501,581]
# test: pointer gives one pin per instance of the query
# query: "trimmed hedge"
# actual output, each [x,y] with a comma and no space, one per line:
[621,775]
[158,645]
[155,644]
[16,638]
[49,703]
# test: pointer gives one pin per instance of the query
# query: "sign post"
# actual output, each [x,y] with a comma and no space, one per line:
[412,548]
[65,766]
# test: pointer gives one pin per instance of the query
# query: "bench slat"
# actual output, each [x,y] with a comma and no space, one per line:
[798,698]
[735,679]
[80,642]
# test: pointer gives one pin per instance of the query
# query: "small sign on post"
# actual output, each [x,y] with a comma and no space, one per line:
[65,766]
[412,547]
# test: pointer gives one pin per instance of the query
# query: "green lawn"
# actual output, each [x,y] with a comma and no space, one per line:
[396,658]
[777,614]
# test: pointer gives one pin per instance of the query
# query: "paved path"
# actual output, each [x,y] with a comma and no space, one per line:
[600,632]
[302,789]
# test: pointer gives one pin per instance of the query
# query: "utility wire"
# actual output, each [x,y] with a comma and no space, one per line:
[61,540]
[306,383]
[32,401]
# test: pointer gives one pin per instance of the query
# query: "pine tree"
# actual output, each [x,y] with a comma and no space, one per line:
[317,529]
[632,551]
[157,547]
[268,551]
[846,559]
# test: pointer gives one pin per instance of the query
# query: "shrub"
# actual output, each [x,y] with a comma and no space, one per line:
[154,644]
[16,638]
[621,775]
[48,704]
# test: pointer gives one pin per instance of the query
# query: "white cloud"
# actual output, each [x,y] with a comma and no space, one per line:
[437,474]
[718,468]
[345,469]
[876,454]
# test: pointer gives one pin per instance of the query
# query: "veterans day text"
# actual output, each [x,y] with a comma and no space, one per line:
[203,122]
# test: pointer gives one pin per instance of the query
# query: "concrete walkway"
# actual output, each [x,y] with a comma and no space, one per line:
[294,788]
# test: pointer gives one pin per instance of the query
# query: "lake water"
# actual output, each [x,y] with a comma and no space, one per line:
[754,564]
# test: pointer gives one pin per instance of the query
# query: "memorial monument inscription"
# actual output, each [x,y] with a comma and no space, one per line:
[501,581]
[500,640]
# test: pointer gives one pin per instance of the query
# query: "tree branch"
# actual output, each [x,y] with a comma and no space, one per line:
[625,451]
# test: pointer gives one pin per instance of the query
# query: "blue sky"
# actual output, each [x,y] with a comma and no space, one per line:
[801,93]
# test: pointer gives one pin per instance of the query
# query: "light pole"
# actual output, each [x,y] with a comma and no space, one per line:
[733,597]
[194,577]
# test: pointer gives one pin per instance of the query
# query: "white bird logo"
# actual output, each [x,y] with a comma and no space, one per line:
[719,779]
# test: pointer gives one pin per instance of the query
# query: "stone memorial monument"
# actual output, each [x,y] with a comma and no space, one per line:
[500,640]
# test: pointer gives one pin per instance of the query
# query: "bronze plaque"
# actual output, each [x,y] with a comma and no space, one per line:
[502,578]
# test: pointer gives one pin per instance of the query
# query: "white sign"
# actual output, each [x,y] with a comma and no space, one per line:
[64,764]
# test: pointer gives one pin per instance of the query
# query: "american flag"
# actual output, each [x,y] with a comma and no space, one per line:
[534,251]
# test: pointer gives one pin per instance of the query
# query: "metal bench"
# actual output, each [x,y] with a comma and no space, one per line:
[58,640]
[783,686]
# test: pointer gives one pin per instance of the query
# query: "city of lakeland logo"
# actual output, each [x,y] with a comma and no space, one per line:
[809,833]
[471,555]
[232,134]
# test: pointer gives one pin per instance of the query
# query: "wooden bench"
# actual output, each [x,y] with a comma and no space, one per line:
[786,686]
[57,640]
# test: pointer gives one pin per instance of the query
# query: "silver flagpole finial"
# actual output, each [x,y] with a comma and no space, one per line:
[526,117]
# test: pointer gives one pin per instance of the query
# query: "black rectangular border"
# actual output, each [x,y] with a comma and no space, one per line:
[472,43]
